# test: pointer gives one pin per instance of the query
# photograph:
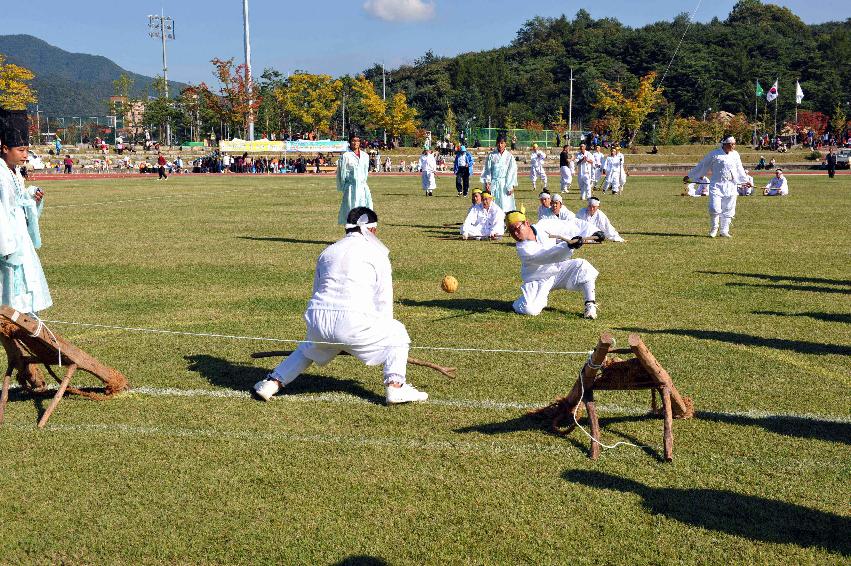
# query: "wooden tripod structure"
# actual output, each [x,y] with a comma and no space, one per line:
[28,343]
[641,372]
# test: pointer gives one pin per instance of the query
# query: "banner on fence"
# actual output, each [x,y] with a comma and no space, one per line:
[268,146]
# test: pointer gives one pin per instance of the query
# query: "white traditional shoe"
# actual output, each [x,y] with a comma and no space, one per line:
[405,394]
[713,232]
[726,235]
[590,310]
[267,388]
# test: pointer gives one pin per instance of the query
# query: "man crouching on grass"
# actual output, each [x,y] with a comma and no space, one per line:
[351,311]
[545,251]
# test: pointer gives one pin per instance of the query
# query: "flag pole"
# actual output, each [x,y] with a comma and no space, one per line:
[755,110]
[776,103]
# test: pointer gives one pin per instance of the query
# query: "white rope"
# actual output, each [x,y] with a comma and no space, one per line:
[37,334]
[289,341]
[665,74]
[582,395]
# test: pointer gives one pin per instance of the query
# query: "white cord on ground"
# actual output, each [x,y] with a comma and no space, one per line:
[284,340]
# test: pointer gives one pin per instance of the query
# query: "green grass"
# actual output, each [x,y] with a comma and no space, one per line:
[756,329]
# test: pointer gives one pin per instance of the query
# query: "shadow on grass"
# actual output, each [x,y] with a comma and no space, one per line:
[778,278]
[748,516]
[467,305]
[800,346]
[663,234]
[242,377]
[286,240]
[810,288]
[824,316]
[361,560]
[786,425]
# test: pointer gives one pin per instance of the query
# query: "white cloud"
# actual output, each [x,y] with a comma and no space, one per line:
[400,10]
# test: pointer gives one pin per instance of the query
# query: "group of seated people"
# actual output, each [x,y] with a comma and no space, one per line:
[486,220]
[777,186]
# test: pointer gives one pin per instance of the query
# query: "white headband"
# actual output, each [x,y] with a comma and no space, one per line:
[557,198]
[362,222]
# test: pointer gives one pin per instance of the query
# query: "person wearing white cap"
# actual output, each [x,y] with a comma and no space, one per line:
[499,175]
[544,207]
[484,221]
[777,186]
[351,310]
[545,251]
[536,167]
[615,171]
[585,165]
[558,210]
[566,166]
[727,172]
[593,215]
[428,165]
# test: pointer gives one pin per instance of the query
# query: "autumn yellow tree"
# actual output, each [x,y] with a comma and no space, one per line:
[15,93]
[629,112]
[374,106]
[400,119]
[310,99]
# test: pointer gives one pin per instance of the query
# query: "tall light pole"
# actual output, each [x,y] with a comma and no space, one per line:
[38,122]
[248,69]
[162,27]
[384,94]
[570,107]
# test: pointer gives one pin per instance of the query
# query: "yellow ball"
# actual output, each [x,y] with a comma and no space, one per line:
[449,284]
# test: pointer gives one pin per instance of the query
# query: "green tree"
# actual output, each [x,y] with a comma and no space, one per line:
[310,99]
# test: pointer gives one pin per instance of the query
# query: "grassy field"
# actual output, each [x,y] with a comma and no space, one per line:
[187,469]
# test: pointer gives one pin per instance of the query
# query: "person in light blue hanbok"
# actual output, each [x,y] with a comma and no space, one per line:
[352,171]
[500,175]
[22,281]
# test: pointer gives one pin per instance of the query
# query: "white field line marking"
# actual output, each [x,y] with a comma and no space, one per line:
[477,404]
[169,196]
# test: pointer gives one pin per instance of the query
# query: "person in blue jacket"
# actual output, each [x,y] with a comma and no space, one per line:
[462,168]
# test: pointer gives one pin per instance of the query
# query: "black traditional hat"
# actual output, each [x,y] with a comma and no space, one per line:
[14,128]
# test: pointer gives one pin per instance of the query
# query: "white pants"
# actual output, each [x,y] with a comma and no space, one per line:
[613,183]
[566,178]
[429,183]
[372,341]
[721,208]
[584,187]
[535,173]
[576,275]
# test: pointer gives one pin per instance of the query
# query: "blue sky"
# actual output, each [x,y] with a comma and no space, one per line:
[334,36]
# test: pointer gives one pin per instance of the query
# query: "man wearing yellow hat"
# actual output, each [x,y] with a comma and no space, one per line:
[545,252]
[484,221]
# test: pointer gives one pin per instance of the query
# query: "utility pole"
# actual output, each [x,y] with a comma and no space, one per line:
[384,94]
[248,69]
[162,27]
[570,107]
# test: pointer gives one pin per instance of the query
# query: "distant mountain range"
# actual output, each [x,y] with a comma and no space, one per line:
[71,84]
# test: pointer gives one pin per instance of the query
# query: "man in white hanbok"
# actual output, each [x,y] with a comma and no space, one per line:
[352,171]
[536,167]
[544,208]
[727,172]
[615,171]
[545,251]
[777,186]
[746,190]
[558,210]
[428,165]
[499,175]
[585,165]
[593,215]
[598,166]
[24,287]
[351,311]
[484,221]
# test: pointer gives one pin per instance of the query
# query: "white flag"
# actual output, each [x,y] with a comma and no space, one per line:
[772,92]
[799,94]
